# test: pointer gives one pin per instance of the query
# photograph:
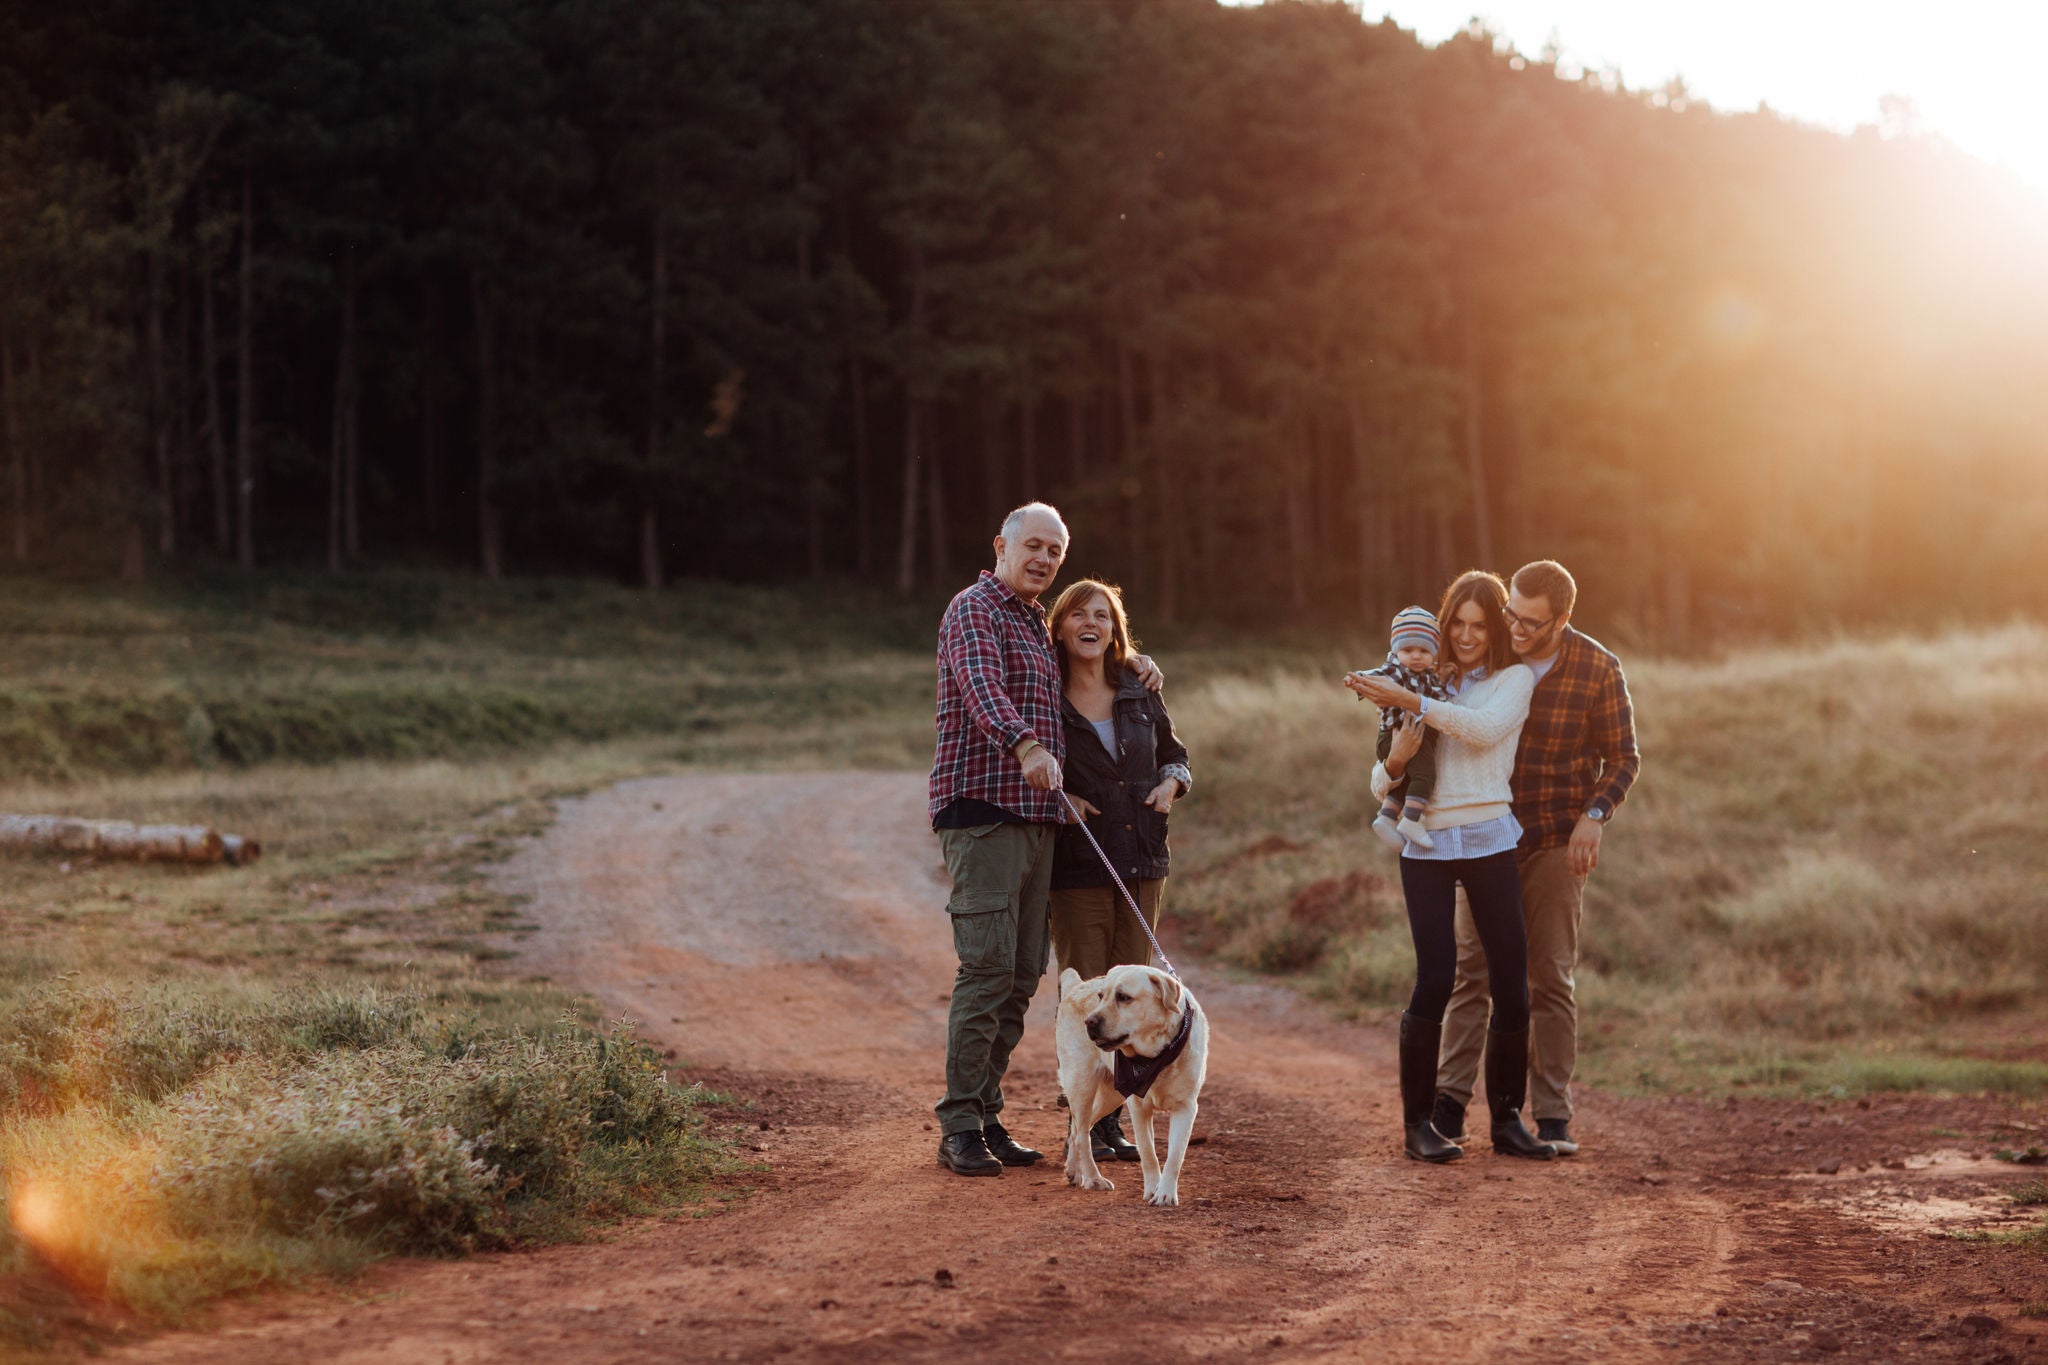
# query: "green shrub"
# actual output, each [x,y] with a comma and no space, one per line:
[67,1045]
[324,1018]
[195,1146]
[348,1145]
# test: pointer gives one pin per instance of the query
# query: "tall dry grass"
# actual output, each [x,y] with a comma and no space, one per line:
[1830,873]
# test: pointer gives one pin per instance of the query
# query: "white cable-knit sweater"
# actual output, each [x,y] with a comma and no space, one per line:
[1475,749]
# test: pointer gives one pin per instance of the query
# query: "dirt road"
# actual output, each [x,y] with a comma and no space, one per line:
[786,933]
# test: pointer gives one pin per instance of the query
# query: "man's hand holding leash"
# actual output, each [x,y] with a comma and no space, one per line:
[1041,769]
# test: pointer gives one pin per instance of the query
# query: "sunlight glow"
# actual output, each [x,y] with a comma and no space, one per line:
[1735,322]
[35,1213]
[1967,70]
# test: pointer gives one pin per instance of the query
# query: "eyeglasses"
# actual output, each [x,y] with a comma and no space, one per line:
[1532,627]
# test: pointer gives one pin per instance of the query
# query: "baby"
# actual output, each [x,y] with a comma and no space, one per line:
[1410,664]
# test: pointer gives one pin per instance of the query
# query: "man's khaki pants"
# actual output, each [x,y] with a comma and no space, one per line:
[1093,930]
[1553,898]
[1001,876]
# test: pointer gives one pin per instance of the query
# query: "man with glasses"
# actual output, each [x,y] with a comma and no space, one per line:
[1574,768]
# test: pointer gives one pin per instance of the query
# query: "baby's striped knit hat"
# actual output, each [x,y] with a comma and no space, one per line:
[1417,626]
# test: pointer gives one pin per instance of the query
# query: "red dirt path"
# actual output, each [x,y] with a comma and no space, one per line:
[786,933]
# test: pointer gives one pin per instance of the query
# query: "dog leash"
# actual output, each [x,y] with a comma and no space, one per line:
[1110,868]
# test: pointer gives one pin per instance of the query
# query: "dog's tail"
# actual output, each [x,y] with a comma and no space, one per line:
[1068,980]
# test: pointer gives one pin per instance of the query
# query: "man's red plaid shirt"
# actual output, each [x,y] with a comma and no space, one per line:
[999,684]
[1578,750]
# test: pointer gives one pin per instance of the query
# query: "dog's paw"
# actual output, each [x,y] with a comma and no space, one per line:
[1098,1181]
[1163,1198]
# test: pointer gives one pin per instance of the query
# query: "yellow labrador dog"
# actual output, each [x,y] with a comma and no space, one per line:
[1133,1036]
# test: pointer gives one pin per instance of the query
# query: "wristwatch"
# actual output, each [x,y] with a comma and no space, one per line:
[1595,814]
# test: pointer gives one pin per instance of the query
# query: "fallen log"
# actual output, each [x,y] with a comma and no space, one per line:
[120,839]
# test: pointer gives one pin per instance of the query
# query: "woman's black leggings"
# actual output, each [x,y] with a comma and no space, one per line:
[1493,887]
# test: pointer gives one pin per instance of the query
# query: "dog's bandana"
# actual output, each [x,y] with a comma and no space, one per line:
[1134,1075]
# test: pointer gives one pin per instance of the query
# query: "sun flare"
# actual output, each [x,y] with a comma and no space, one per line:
[36,1214]
[1968,80]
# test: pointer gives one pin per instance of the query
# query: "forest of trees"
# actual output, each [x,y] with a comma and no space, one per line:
[1293,315]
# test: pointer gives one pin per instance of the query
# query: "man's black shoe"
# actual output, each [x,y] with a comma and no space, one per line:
[967,1154]
[1449,1117]
[1007,1149]
[1110,1140]
[1558,1133]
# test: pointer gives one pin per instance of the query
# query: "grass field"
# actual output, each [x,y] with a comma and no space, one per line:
[1828,878]
[1826,883]
[398,666]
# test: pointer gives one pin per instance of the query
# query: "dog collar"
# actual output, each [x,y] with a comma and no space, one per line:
[1134,1075]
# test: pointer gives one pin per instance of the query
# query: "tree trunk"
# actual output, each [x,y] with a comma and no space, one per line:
[1077,436]
[800,156]
[650,548]
[815,481]
[1677,606]
[38,474]
[17,459]
[351,411]
[1208,511]
[814,525]
[1027,440]
[992,501]
[906,544]
[245,384]
[352,481]
[119,839]
[1362,490]
[342,537]
[1475,450]
[1164,504]
[1860,459]
[433,404]
[941,526]
[160,411]
[1133,484]
[1298,512]
[490,549]
[1446,555]
[182,435]
[863,468]
[216,419]
[657,365]
[334,477]
[134,565]
[857,396]
[1126,398]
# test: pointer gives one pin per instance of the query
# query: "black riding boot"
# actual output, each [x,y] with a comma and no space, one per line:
[1109,1137]
[1507,1081]
[1419,1041]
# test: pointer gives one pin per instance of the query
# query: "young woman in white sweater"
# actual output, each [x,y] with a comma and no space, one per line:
[1475,835]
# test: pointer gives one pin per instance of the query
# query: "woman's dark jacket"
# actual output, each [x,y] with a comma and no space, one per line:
[1130,832]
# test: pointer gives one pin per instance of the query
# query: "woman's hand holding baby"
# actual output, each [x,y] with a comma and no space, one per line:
[1404,744]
